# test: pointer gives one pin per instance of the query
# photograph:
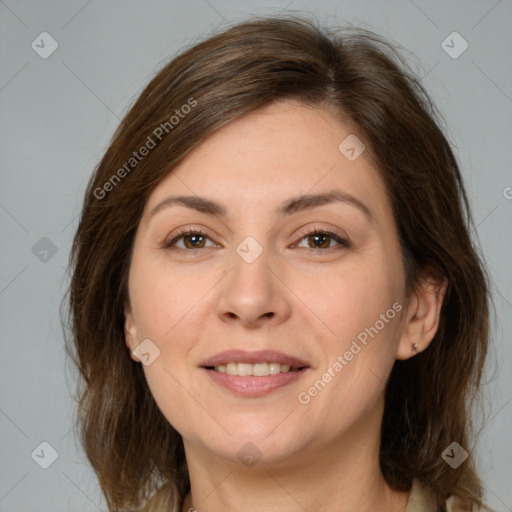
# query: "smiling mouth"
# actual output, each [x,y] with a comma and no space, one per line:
[254,374]
[254,380]
[262,369]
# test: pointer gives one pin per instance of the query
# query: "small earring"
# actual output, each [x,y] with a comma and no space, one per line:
[133,355]
[415,347]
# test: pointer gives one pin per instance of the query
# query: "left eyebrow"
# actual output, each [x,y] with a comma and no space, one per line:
[289,207]
[308,201]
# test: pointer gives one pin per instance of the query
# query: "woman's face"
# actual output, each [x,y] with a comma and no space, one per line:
[258,278]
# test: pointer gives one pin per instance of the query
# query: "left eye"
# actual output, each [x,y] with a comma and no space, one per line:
[322,240]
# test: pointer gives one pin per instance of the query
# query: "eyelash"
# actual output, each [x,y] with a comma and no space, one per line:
[315,231]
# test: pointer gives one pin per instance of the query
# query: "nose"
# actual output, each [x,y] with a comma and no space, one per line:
[254,294]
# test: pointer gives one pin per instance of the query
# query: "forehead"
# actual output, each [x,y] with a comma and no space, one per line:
[269,155]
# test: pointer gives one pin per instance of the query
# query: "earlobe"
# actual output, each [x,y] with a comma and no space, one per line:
[130,333]
[422,317]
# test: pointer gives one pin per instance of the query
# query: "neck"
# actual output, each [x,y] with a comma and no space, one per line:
[343,475]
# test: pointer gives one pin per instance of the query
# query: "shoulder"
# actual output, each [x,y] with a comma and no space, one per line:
[164,499]
[422,499]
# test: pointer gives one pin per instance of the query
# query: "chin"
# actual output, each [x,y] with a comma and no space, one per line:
[251,444]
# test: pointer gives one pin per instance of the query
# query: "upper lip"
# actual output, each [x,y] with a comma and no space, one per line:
[242,356]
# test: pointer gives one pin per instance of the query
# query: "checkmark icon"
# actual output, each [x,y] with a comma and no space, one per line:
[454,45]
[44,250]
[44,455]
[249,249]
[44,45]
[454,455]
[249,455]
[351,147]
[146,351]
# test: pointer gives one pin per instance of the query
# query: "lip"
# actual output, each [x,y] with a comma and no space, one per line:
[242,356]
[253,386]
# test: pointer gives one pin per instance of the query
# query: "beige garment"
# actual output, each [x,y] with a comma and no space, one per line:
[422,499]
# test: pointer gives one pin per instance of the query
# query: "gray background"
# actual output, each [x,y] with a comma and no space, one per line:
[57,115]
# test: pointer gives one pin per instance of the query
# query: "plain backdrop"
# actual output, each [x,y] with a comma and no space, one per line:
[57,115]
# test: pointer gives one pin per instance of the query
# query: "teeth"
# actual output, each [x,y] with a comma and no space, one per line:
[244,369]
[274,368]
[232,369]
[258,369]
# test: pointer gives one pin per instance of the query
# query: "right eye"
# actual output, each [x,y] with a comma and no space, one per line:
[192,239]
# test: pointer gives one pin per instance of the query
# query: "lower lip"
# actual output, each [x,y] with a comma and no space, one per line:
[254,386]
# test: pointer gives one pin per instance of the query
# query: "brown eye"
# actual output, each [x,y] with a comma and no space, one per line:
[192,239]
[322,240]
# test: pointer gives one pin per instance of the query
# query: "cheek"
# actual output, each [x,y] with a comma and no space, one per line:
[355,297]
[357,364]
[166,307]
[164,382]
[362,309]
[163,300]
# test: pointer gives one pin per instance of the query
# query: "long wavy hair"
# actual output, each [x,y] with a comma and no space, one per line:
[366,83]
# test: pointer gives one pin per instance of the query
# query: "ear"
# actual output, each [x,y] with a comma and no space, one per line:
[422,316]
[130,332]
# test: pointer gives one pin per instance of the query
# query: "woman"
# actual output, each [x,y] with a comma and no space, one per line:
[275,300]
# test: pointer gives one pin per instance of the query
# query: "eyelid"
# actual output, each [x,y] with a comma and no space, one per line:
[181,232]
[341,239]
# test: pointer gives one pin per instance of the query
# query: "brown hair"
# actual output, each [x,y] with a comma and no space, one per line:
[363,80]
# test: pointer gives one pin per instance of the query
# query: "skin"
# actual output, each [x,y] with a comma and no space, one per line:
[195,302]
